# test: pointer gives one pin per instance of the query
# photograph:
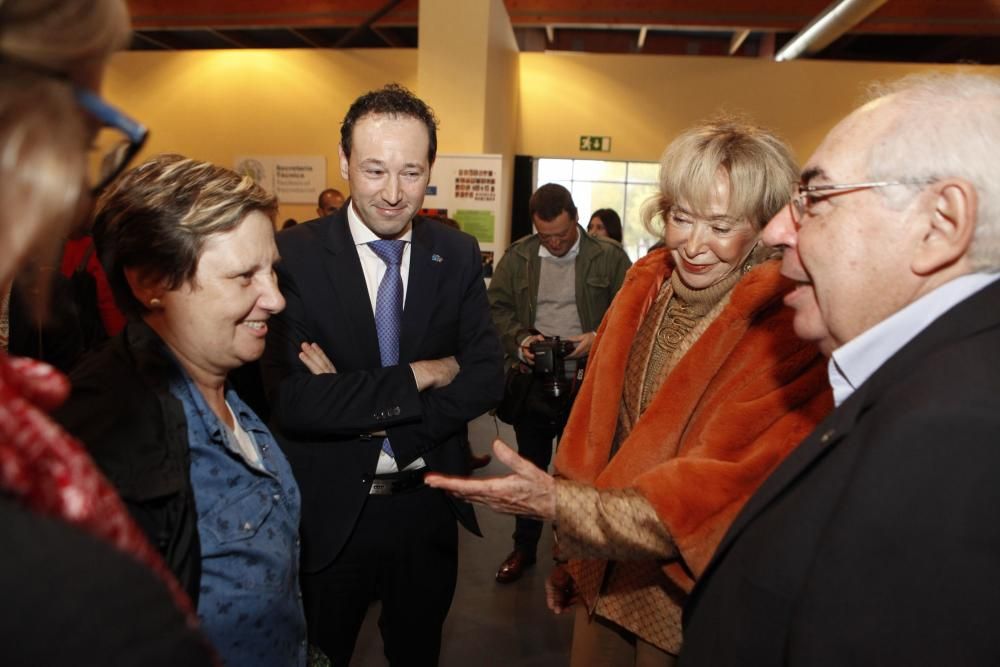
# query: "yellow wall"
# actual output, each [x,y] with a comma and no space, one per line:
[214,105]
[500,113]
[471,82]
[642,102]
[451,62]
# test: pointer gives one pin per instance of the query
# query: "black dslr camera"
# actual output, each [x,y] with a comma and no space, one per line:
[550,354]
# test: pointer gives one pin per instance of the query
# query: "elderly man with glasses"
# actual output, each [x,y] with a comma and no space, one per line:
[877,540]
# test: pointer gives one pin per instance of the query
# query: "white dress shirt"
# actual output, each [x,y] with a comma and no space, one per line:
[374,268]
[853,363]
[371,264]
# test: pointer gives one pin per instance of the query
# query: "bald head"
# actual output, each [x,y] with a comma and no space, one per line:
[330,200]
[899,199]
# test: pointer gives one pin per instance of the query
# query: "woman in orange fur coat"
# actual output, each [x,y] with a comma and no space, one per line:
[696,389]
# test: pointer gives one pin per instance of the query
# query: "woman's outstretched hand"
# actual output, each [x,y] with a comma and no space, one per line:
[527,491]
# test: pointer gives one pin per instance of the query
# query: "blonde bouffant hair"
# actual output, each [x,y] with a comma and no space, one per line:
[759,165]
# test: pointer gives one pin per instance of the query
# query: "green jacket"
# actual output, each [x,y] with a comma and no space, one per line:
[600,269]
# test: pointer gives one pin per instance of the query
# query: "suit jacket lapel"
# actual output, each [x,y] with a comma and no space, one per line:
[421,289]
[978,312]
[354,317]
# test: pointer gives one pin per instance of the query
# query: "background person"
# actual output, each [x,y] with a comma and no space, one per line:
[556,282]
[84,584]
[696,389]
[330,201]
[876,541]
[189,251]
[98,315]
[55,338]
[398,304]
[605,223]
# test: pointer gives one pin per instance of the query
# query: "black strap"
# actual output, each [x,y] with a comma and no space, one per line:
[82,266]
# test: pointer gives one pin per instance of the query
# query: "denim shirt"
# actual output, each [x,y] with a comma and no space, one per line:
[248,519]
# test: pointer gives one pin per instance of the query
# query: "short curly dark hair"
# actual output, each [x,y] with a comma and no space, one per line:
[391,100]
[549,201]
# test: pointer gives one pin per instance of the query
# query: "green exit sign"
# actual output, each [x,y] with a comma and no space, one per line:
[600,144]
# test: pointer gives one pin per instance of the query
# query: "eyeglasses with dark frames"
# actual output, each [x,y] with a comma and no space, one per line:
[118,140]
[805,195]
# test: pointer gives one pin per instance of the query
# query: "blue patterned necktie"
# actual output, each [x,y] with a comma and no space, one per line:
[389,306]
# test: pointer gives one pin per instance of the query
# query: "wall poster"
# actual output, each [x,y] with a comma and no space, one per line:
[468,187]
[293,179]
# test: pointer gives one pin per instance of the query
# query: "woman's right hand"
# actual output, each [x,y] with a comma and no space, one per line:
[315,359]
[560,590]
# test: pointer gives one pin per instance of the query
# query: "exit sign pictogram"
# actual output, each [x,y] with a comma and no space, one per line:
[599,144]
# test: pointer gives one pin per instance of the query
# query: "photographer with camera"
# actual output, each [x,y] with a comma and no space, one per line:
[548,295]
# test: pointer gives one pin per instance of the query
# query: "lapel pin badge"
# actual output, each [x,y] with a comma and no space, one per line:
[437,258]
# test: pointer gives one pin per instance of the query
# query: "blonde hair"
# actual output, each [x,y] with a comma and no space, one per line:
[44,45]
[759,165]
[157,217]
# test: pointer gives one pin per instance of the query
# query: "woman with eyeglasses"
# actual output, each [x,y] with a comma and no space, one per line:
[696,389]
[83,584]
[189,251]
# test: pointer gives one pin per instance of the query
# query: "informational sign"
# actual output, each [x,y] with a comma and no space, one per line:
[468,187]
[479,223]
[294,179]
[599,144]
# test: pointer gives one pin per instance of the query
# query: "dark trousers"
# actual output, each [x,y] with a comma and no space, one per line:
[534,442]
[403,552]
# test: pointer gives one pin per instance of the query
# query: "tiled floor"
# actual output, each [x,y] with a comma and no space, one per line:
[491,624]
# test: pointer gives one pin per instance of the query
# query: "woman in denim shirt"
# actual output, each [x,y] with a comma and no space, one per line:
[189,250]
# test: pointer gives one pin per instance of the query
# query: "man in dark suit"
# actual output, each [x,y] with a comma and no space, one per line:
[877,541]
[394,392]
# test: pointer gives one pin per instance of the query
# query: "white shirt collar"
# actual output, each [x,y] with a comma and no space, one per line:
[360,232]
[544,253]
[853,363]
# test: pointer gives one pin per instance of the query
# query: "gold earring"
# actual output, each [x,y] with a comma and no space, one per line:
[154,303]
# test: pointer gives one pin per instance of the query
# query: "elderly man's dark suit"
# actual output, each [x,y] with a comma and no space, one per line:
[877,542]
[323,422]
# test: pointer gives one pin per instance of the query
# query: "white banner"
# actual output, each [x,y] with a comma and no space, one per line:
[294,179]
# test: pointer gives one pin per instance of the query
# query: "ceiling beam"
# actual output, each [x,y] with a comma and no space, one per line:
[307,39]
[235,43]
[346,40]
[939,17]
[149,39]
[736,41]
[389,39]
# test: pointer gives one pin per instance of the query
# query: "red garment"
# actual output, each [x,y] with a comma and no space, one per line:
[73,253]
[50,472]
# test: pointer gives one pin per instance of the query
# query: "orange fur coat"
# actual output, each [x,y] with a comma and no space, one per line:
[742,397]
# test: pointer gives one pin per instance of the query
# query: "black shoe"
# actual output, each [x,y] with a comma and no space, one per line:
[514,566]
